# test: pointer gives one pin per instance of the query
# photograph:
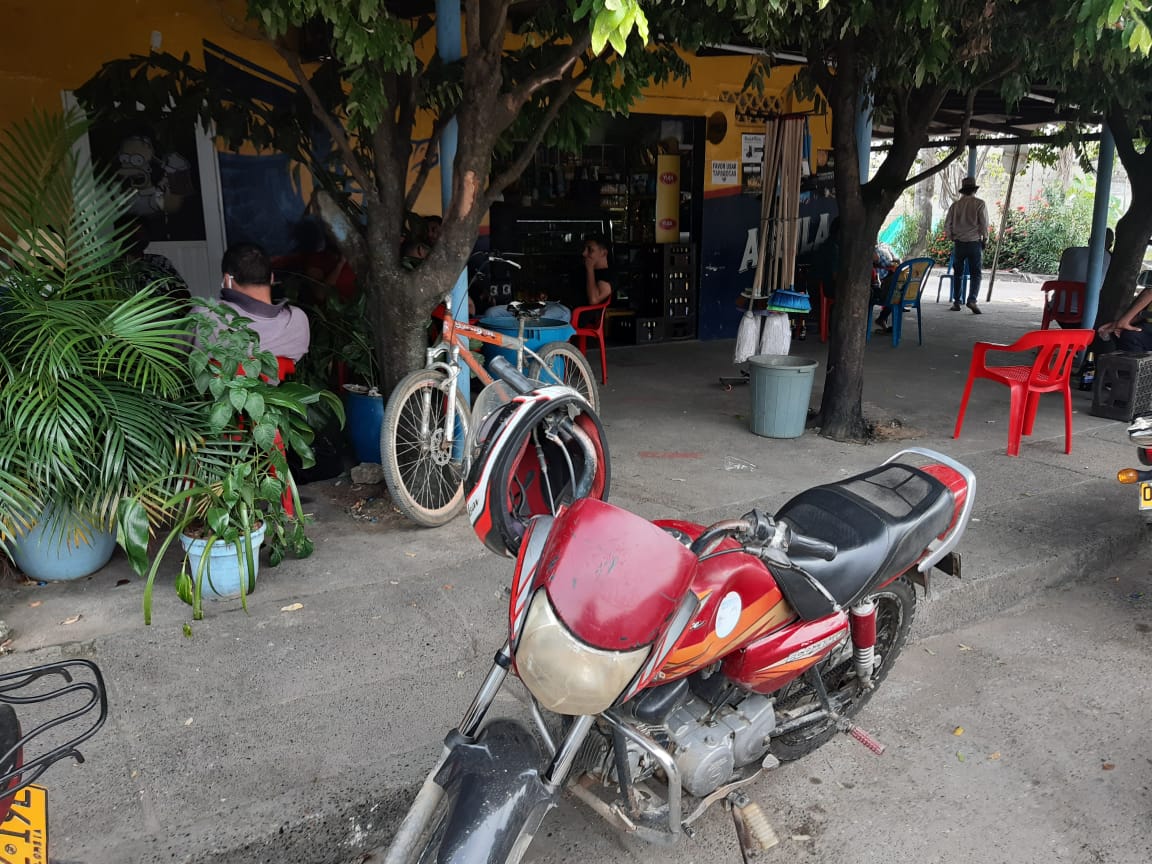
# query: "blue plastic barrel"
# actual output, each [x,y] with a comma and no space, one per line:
[537,334]
[364,417]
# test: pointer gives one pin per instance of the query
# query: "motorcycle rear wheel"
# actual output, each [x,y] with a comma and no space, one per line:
[895,609]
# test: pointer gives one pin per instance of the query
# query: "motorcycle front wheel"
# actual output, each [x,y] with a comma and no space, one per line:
[429,850]
[895,609]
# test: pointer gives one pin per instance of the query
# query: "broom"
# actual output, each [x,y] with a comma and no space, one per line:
[748,335]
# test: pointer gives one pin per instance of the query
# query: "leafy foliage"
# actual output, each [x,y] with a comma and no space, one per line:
[1035,236]
[352,119]
[91,372]
[238,477]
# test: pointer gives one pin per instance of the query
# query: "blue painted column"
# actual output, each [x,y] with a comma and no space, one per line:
[1099,225]
[449,47]
[971,160]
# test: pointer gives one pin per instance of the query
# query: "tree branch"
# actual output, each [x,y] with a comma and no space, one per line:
[961,143]
[495,23]
[472,25]
[430,157]
[1122,135]
[555,103]
[339,136]
[516,98]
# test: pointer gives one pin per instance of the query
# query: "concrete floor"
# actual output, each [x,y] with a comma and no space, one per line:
[297,733]
[1052,764]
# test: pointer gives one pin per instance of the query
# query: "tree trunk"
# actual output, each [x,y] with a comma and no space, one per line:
[1132,233]
[841,411]
[922,203]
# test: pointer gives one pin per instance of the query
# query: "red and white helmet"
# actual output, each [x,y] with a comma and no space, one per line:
[530,456]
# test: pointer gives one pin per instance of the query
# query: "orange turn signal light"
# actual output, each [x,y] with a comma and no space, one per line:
[1128,475]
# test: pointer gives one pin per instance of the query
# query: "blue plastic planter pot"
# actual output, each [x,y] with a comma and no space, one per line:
[62,548]
[225,572]
[781,389]
[365,415]
[537,334]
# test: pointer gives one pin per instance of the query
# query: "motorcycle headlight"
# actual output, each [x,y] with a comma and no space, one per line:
[564,674]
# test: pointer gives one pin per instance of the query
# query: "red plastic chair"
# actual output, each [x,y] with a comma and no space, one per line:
[825,310]
[1063,303]
[1049,372]
[592,328]
[285,366]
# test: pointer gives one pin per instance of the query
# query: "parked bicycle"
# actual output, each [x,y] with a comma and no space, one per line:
[427,419]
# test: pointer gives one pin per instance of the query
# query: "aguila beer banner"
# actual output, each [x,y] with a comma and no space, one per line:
[667,199]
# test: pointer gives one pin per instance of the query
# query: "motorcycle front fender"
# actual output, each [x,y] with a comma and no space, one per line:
[496,799]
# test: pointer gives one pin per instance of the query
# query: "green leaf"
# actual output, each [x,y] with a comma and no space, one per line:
[132,533]
[238,397]
[265,436]
[254,405]
[187,630]
[217,519]
[184,590]
[221,417]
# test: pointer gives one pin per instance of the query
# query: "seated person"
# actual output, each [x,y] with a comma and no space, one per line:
[597,273]
[1132,330]
[246,286]
[1074,260]
[597,283]
[884,265]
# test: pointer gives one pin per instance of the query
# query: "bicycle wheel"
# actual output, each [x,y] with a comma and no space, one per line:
[423,472]
[563,364]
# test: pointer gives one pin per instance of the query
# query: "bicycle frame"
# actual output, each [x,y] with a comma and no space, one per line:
[449,344]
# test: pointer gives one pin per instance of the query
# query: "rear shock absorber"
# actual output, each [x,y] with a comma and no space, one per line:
[863,618]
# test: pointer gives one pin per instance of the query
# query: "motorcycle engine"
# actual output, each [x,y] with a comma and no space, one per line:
[709,733]
[710,744]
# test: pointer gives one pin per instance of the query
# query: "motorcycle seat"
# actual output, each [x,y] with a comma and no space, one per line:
[880,522]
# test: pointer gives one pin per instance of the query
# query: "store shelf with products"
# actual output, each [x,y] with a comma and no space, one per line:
[657,283]
[610,187]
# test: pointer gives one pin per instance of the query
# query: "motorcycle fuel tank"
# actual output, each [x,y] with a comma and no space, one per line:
[739,601]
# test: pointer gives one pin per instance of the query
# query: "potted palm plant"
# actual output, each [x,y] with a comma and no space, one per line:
[92,370]
[237,489]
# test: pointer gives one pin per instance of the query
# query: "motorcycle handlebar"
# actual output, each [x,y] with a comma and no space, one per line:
[761,535]
[811,546]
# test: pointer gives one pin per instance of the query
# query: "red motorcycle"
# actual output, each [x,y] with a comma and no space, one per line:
[1140,434]
[669,664]
[63,705]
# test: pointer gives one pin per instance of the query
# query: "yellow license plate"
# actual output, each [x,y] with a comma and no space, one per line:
[24,834]
[1146,494]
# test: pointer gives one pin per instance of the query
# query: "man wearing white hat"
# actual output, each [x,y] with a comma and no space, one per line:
[966,225]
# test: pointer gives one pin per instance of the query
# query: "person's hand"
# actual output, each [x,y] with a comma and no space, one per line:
[1126,326]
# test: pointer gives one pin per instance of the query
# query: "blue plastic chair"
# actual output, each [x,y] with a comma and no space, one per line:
[904,292]
[947,274]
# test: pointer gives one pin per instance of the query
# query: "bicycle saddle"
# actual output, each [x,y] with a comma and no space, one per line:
[526,308]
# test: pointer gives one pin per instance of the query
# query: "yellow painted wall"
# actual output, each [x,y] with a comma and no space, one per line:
[55,45]
[47,46]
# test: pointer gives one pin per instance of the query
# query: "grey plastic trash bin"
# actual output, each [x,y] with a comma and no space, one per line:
[781,388]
